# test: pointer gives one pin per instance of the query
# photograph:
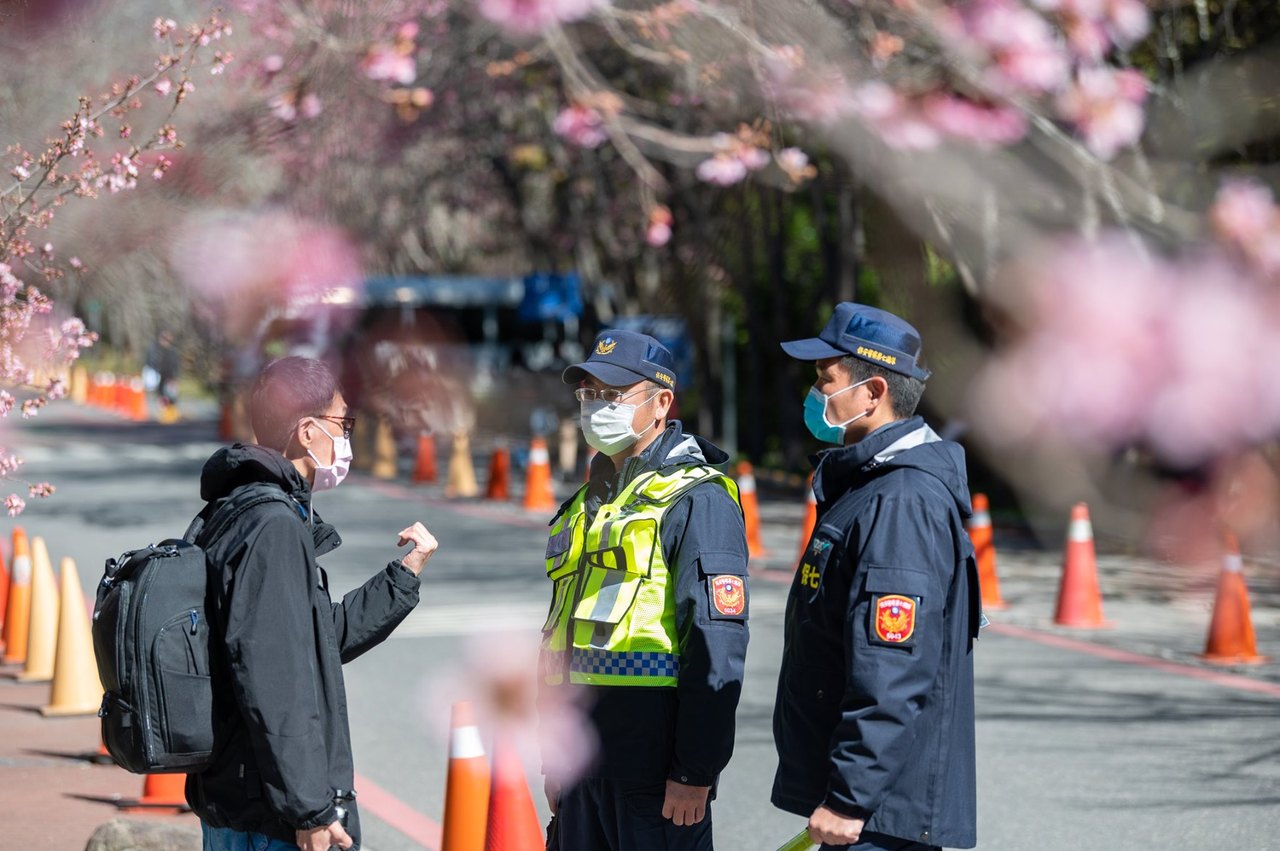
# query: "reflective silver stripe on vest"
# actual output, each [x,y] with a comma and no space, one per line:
[624,664]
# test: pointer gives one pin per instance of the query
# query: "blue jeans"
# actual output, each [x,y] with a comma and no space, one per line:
[226,839]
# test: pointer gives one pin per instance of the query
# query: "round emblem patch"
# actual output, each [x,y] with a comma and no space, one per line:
[729,596]
[895,618]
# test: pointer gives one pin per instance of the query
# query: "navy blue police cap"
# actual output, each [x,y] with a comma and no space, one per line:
[868,333]
[620,358]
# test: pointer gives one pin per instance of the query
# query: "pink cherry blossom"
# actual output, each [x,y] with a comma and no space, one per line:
[722,170]
[581,126]
[1243,212]
[529,17]
[310,105]
[273,63]
[898,122]
[1128,21]
[815,95]
[163,86]
[14,504]
[383,62]
[1105,104]
[1026,56]
[961,118]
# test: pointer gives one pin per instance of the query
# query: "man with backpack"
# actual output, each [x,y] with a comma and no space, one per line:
[281,772]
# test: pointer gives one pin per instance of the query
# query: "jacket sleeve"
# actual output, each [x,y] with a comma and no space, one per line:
[892,665]
[704,538]
[368,614]
[271,645]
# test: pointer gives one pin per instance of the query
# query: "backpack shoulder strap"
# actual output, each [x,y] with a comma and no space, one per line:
[212,522]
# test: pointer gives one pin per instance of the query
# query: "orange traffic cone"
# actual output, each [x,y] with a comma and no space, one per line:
[138,410]
[1231,640]
[1079,600]
[499,486]
[513,821]
[42,631]
[984,549]
[384,450]
[226,420]
[461,478]
[424,468]
[750,508]
[810,518]
[537,483]
[17,617]
[4,597]
[466,795]
[160,792]
[76,688]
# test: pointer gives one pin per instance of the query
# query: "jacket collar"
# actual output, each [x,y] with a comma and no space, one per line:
[839,469]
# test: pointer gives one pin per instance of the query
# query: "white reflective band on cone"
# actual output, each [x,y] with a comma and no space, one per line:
[1233,563]
[22,570]
[747,484]
[539,456]
[980,519]
[1080,530]
[464,743]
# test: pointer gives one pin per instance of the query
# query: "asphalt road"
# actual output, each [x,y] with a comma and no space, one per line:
[1081,745]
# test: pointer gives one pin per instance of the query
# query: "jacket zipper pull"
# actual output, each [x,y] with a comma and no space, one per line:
[195,618]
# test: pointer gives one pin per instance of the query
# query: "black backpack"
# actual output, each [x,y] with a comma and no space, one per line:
[151,640]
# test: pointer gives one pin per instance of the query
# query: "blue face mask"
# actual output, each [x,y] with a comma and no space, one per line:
[815,415]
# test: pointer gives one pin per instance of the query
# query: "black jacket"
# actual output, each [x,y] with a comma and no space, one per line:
[874,715]
[282,747]
[648,735]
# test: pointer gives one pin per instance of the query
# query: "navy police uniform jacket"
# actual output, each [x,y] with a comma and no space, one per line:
[874,715]
[650,735]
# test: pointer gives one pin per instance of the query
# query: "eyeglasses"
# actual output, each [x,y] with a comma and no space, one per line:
[610,395]
[348,423]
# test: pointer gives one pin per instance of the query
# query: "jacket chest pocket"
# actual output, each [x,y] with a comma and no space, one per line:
[613,575]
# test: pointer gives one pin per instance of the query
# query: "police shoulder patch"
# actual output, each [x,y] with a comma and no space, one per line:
[893,619]
[728,595]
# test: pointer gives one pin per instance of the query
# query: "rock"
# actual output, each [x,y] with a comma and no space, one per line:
[137,835]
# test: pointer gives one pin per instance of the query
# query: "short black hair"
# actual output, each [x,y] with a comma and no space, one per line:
[287,390]
[904,391]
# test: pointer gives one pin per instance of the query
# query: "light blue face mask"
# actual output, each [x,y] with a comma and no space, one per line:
[815,415]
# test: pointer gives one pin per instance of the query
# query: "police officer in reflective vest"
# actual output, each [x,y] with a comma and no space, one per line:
[873,721]
[648,618]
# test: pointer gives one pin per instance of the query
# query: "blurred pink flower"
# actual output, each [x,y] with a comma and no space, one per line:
[273,63]
[1105,104]
[581,126]
[964,119]
[658,232]
[529,17]
[498,675]
[385,62]
[15,504]
[897,121]
[283,107]
[163,86]
[817,95]
[1118,346]
[722,170]
[1243,212]
[1128,21]
[310,107]
[1025,55]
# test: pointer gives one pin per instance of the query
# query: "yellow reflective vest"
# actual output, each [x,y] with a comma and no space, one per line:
[612,617]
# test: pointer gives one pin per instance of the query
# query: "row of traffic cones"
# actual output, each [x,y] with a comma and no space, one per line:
[123,395]
[46,629]
[486,809]
[1231,637]
[460,480]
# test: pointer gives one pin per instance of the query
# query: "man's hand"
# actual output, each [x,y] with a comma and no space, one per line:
[424,544]
[323,838]
[685,805]
[552,789]
[828,827]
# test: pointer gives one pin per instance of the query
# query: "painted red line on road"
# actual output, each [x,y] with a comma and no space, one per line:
[395,812]
[1221,678]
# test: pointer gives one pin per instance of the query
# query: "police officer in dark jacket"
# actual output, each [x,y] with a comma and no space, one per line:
[649,612]
[282,775]
[874,719]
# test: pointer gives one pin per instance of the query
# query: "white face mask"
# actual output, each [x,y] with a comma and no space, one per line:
[607,427]
[329,476]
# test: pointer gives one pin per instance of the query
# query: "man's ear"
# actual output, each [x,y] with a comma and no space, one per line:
[666,398]
[879,389]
